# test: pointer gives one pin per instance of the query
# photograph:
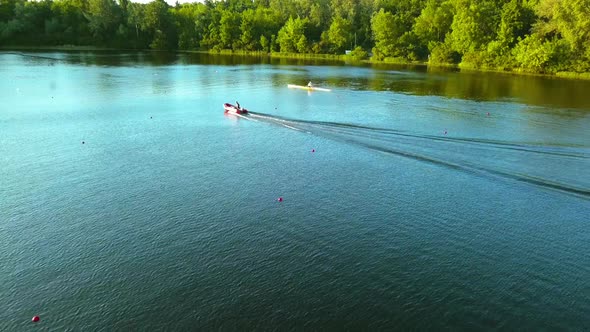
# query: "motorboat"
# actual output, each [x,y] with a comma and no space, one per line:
[233,109]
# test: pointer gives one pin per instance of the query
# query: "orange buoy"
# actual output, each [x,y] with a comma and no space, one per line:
[35,319]
[280,199]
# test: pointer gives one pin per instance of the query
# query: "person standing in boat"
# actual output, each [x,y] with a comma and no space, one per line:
[238,105]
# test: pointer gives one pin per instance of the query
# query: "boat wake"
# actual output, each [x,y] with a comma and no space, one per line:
[560,168]
[34,56]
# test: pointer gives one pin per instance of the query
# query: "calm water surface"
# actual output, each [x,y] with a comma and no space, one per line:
[433,200]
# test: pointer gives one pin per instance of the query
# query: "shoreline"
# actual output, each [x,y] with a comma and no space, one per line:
[347,60]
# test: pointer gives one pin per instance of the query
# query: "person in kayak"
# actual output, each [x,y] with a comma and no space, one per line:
[238,105]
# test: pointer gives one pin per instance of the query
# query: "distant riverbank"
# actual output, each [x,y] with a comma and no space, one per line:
[310,56]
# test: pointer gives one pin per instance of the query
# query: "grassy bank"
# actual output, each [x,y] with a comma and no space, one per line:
[279,54]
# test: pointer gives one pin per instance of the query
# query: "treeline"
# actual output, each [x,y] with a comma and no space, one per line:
[544,36]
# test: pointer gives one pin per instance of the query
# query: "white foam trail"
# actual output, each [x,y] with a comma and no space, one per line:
[291,127]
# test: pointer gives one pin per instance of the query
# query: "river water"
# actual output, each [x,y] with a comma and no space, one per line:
[411,198]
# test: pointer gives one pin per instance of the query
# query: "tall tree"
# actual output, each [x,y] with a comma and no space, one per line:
[229,29]
[159,24]
[473,25]
[570,19]
[103,18]
[434,21]
[339,34]
[291,37]
[135,16]
[516,22]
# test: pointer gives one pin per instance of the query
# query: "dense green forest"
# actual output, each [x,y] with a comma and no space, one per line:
[542,36]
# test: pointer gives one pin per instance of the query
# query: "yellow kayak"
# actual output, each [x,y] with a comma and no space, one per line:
[308,88]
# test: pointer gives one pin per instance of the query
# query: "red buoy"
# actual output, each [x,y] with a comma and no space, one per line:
[35,319]
[280,199]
